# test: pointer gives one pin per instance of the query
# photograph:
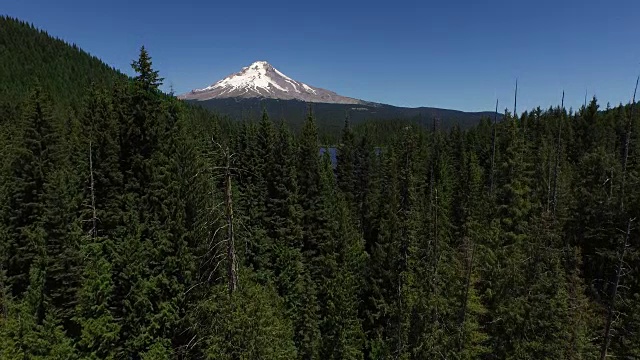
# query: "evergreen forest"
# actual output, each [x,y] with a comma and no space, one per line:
[136,226]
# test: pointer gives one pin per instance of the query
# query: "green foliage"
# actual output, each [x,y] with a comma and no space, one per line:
[30,329]
[415,244]
[100,329]
[29,56]
[246,325]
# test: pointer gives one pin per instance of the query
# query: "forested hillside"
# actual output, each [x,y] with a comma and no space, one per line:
[144,229]
[331,116]
[29,56]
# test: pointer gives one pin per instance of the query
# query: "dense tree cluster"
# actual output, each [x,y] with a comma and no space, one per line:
[138,227]
[29,56]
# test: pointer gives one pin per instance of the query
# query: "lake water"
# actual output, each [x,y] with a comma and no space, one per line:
[333,153]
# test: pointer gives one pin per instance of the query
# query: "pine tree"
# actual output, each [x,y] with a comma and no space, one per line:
[100,123]
[442,273]
[309,183]
[383,314]
[545,327]
[248,324]
[472,338]
[152,228]
[32,330]
[346,166]
[147,78]
[366,171]
[32,164]
[507,301]
[315,230]
[253,190]
[593,221]
[343,260]
[291,273]
[99,328]
[63,238]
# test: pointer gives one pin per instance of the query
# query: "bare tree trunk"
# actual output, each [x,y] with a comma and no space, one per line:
[493,148]
[612,303]
[94,217]
[585,99]
[232,262]
[405,262]
[436,255]
[515,101]
[556,171]
[627,140]
[3,297]
[549,185]
[465,300]
[610,183]
[433,210]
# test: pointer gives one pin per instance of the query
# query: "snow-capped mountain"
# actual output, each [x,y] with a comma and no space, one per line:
[261,80]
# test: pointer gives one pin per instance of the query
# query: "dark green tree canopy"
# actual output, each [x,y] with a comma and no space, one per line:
[136,226]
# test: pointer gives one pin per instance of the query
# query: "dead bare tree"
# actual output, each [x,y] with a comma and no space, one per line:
[436,257]
[493,147]
[515,101]
[3,297]
[232,261]
[612,304]
[625,245]
[521,122]
[548,209]
[627,140]
[94,217]
[556,170]
[221,251]
[465,300]
[585,99]
[433,209]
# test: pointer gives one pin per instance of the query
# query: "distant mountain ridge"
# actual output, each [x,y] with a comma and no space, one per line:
[332,116]
[262,80]
[30,56]
[259,86]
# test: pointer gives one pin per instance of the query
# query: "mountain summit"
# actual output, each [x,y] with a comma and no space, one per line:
[261,80]
[260,87]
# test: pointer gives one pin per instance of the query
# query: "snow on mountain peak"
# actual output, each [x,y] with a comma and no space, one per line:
[257,77]
[262,80]
[260,63]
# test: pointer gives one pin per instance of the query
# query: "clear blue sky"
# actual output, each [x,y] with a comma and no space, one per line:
[458,54]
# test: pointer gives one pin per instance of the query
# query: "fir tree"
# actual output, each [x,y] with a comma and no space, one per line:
[31,168]
[248,324]
[346,166]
